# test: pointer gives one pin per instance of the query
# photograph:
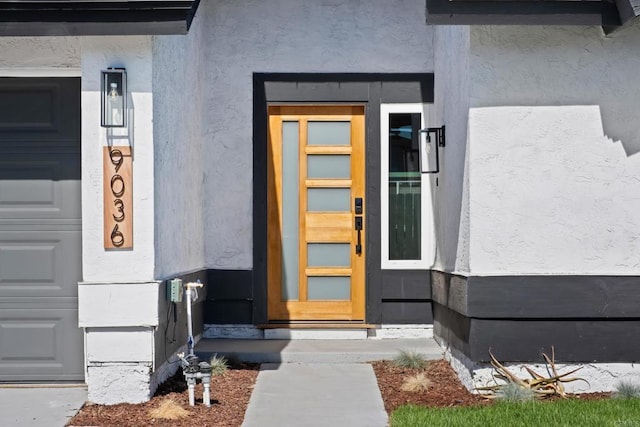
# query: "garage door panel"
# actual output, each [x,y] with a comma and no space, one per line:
[40,109]
[35,263]
[40,230]
[34,343]
[44,188]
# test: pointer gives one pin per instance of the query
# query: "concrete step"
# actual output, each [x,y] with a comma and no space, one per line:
[315,351]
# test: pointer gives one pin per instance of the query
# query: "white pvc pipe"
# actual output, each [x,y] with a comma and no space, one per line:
[206,396]
[192,395]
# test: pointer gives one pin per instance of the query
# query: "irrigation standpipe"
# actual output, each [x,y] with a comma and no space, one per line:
[192,368]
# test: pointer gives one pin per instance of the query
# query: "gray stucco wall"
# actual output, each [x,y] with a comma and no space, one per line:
[553,142]
[179,118]
[451,44]
[241,38]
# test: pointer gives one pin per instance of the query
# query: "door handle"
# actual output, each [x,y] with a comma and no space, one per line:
[358,226]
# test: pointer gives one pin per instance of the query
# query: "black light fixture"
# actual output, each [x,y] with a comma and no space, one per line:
[431,139]
[113,96]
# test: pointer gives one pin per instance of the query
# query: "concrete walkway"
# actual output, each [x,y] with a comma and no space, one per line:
[40,407]
[319,394]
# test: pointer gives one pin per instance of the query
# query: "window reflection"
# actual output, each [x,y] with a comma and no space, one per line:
[404,187]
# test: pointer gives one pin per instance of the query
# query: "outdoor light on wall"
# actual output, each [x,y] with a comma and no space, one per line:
[431,139]
[113,94]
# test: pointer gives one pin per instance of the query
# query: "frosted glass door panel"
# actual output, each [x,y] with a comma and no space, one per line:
[329,288]
[328,255]
[328,166]
[290,210]
[328,200]
[329,133]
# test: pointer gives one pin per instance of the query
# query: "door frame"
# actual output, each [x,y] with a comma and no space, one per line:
[371,90]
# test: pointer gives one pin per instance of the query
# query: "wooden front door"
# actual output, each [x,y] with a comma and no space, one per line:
[316,186]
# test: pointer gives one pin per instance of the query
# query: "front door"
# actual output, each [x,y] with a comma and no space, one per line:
[316,187]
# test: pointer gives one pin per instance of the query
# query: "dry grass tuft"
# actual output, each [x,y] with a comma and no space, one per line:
[416,383]
[169,410]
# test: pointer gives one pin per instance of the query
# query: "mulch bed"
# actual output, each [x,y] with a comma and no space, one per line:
[445,391]
[230,395]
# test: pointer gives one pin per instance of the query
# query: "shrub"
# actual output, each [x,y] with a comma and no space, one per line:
[627,390]
[416,383]
[410,359]
[512,392]
[219,365]
[168,410]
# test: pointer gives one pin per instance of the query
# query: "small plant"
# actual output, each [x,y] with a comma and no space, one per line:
[168,410]
[627,390]
[410,359]
[512,392]
[219,365]
[416,383]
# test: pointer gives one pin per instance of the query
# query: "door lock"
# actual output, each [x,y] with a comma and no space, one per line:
[358,205]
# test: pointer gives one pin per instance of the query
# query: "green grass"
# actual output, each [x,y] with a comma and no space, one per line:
[597,413]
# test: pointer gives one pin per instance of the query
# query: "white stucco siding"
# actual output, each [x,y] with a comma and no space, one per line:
[178,118]
[284,36]
[39,56]
[451,44]
[133,53]
[554,178]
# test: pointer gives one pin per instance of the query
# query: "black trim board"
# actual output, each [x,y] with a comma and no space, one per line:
[370,90]
[586,318]
[105,17]
[523,340]
[524,12]
[539,296]
[229,297]
[171,333]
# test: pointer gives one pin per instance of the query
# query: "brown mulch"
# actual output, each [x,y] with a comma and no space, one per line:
[445,390]
[230,395]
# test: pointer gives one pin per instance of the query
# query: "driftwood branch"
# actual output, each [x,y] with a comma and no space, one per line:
[551,385]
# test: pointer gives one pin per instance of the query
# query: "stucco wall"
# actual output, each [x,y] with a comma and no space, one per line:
[553,141]
[284,36]
[133,53]
[178,118]
[451,54]
[50,53]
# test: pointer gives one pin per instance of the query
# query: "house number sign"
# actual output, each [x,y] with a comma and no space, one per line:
[118,198]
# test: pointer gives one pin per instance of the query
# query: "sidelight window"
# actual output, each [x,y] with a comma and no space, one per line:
[406,192]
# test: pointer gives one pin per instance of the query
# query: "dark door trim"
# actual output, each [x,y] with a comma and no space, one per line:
[370,89]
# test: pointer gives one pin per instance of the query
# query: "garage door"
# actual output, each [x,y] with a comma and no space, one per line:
[40,230]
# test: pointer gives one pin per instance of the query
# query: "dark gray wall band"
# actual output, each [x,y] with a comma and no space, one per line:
[523,340]
[172,331]
[539,296]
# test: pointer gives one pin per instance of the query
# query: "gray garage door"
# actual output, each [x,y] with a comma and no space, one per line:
[40,230]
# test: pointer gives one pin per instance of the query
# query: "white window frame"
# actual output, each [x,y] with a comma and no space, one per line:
[427,238]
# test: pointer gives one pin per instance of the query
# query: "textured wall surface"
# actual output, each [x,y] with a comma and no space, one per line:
[178,118]
[451,54]
[43,52]
[284,36]
[133,53]
[553,138]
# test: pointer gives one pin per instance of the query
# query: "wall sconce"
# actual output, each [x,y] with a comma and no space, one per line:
[113,94]
[431,139]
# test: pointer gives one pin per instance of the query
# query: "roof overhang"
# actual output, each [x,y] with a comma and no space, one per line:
[95,17]
[526,12]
